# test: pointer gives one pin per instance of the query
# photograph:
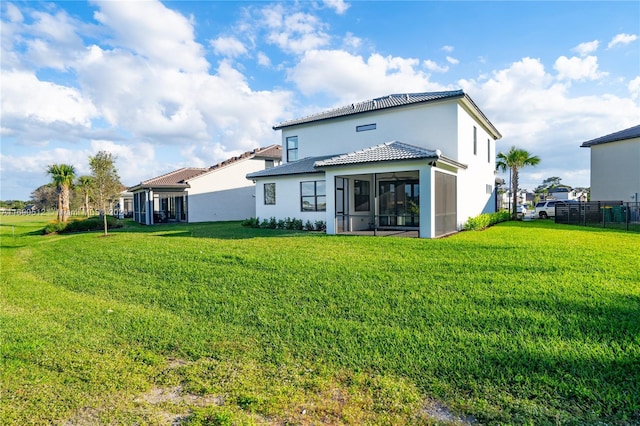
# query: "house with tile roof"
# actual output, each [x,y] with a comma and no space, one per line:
[615,166]
[418,161]
[216,193]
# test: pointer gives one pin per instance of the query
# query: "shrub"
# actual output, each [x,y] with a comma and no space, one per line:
[320,225]
[485,220]
[252,222]
[53,227]
[308,226]
[94,223]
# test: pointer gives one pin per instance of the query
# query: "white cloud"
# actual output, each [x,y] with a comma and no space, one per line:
[338,5]
[348,77]
[634,88]
[452,60]
[13,13]
[622,39]
[293,32]
[536,112]
[575,68]
[583,49]
[263,59]
[352,42]
[433,66]
[228,46]
[447,48]
[142,28]
[24,97]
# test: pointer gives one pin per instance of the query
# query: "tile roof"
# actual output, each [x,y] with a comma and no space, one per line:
[630,133]
[179,178]
[175,178]
[272,152]
[376,104]
[390,151]
[305,165]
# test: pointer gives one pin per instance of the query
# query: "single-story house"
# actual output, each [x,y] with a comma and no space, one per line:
[416,161]
[615,166]
[216,193]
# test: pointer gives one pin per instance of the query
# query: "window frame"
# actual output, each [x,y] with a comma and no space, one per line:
[264,193]
[359,187]
[292,151]
[488,150]
[304,196]
[475,140]
[366,127]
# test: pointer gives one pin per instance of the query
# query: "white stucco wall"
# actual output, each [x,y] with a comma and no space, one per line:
[477,182]
[431,126]
[615,170]
[225,193]
[287,198]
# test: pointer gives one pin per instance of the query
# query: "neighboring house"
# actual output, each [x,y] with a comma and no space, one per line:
[615,170]
[124,208]
[417,161]
[561,192]
[216,193]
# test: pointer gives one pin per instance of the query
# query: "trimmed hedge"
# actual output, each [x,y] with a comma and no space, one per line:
[485,220]
[288,223]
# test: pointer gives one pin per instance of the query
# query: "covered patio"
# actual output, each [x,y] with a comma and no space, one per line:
[391,189]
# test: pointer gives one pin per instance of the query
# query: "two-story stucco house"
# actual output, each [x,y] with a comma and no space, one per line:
[216,193]
[416,161]
[615,166]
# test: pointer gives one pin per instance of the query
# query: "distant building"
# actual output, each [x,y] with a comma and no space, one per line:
[216,193]
[615,165]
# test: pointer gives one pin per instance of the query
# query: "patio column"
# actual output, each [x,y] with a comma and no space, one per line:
[149,218]
[427,202]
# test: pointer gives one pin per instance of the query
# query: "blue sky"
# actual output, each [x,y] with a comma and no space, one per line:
[191,83]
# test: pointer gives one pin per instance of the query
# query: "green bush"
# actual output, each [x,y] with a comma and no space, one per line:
[252,222]
[94,223]
[291,224]
[53,227]
[485,220]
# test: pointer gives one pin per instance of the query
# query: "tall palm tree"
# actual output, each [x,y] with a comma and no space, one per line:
[63,175]
[84,183]
[514,160]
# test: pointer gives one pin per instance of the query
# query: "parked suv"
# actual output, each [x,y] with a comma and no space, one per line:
[545,209]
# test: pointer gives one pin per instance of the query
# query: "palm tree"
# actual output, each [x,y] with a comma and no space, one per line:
[85,183]
[514,160]
[63,175]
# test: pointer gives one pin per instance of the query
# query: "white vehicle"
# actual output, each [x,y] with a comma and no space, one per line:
[545,209]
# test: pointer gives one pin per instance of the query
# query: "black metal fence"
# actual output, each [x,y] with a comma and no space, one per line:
[603,214]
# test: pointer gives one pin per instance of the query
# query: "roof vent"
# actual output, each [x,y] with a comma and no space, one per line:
[407,95]
[353,106]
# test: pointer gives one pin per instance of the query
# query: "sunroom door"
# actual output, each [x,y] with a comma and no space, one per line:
[398,203]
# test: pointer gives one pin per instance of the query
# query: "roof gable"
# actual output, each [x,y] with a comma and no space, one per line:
[630,133]
[389,151]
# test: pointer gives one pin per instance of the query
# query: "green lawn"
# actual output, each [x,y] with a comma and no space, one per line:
[524,323]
